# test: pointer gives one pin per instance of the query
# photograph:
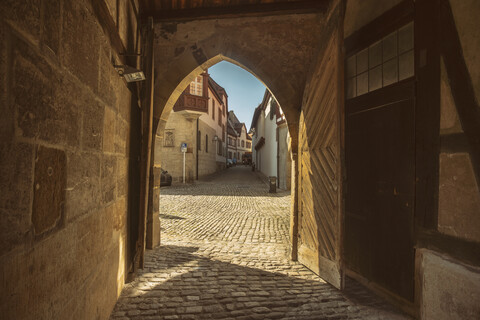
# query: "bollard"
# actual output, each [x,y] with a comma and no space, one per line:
[273,184]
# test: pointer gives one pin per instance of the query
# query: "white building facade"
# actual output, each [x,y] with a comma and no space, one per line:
[271,154]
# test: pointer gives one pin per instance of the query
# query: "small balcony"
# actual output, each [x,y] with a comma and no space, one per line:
[189,102]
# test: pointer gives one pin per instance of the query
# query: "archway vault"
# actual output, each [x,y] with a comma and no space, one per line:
[278,50]
[296,56]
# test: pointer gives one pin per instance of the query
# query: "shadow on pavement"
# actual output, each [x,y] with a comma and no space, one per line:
[198,287]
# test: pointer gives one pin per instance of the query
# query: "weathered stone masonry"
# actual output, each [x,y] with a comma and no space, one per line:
[64,161]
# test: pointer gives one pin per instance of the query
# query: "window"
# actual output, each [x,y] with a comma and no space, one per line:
[169,139]
[196,86]
[219,116]
[387,61]
[206,143]
[199,140]
[229,155]
[220,148]
[224,113]
[243,144]
[249,144]
[238,143]
[213,109]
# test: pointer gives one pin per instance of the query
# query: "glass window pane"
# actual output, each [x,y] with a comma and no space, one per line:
[351,88]
[362,83]
[362,61]
[375,78]
[406,65]
[375,54]
[351,66]
[390,72]
[405,38]
[390,46]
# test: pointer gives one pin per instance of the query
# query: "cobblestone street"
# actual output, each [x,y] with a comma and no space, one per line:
[224,255]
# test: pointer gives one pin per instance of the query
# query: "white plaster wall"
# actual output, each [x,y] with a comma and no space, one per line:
[269,150]
[259,133]
[284,156]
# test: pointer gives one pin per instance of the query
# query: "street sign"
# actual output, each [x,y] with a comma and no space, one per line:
[183,148]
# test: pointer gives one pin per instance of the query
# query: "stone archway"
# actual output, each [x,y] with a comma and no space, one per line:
[279,50]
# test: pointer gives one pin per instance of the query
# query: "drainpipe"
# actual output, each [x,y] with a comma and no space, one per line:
[198,141]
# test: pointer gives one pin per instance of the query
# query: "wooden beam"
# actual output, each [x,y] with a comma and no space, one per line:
[235,11]
[381,26]
[147,133]
[460,249]
[427,111]
[454,143]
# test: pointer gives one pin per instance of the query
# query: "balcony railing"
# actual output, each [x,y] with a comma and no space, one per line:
[191,102]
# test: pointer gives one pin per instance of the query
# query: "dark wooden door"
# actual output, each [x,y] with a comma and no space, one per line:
[380,168]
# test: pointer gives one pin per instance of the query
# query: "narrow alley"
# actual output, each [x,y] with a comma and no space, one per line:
[224,255]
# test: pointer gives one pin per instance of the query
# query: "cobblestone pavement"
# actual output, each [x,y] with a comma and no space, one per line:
[224,255]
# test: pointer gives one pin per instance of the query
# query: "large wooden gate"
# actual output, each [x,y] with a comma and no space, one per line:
[319,178]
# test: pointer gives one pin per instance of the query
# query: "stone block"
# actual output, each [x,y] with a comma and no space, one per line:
[109,130]
[46,102]
[127,23]
[93,121]
[52,25]
[122,176]
[25,14]
[83,183]
[80,53]
[16,170]
[119,214]
[124,101]
[121,136]
[109,81]
[109,174]
[49,189]
[449,290]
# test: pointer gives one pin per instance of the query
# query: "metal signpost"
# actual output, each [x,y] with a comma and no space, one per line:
[183,148]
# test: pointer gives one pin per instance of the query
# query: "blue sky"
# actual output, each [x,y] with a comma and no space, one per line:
[245,92]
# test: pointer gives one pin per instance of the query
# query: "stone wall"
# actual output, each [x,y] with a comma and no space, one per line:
[64,161]
[171,157]
[270,47]
[206,160]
